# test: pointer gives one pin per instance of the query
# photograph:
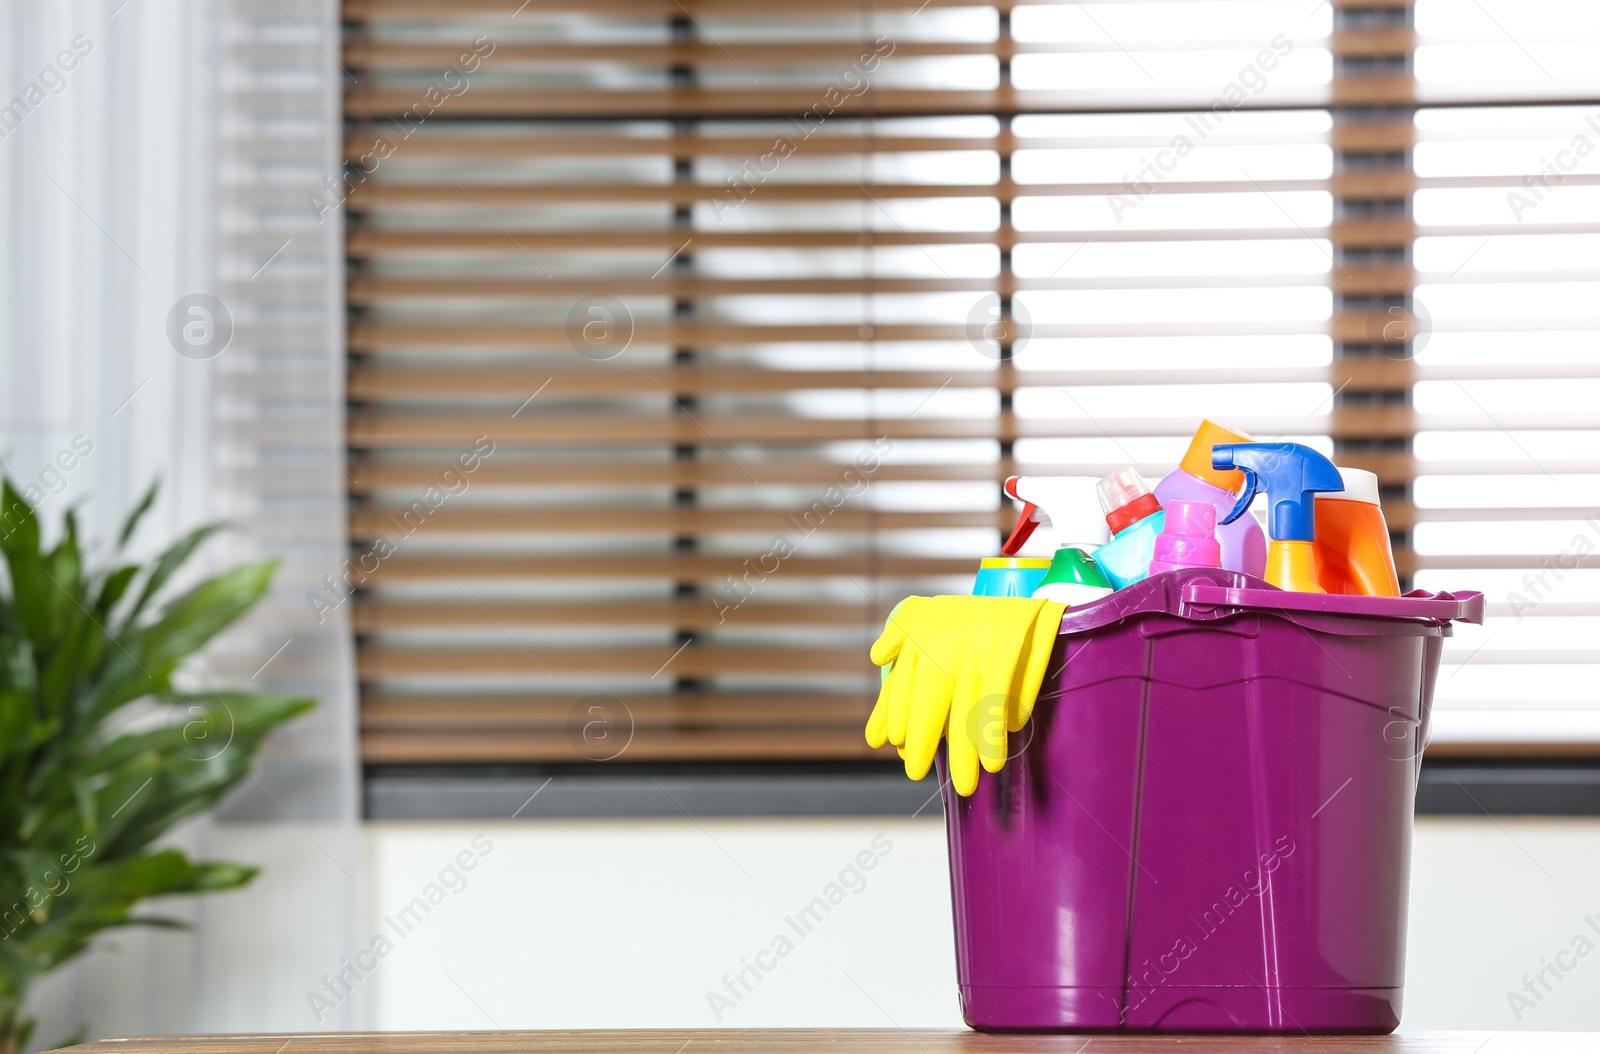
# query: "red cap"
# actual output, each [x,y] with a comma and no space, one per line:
[1125,498]
[1131,513]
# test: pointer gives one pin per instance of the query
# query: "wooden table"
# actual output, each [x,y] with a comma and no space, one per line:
[846,1041]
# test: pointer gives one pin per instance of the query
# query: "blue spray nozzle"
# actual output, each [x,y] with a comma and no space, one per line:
[1292,475]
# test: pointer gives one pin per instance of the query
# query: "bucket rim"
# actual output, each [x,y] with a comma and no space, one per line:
[1201,594]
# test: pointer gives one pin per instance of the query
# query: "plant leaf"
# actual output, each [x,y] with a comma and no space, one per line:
[159,922]
[132,522]
[19,527]
[19,542]
[167,564]
[17,728]
[216,875]
[223,717]
[189,622]
[81,802]
[114,588]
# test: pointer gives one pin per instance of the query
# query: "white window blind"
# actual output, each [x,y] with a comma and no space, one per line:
[747,309]
[1508,364]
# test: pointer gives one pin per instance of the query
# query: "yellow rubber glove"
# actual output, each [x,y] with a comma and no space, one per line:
[967,669]
[917,682]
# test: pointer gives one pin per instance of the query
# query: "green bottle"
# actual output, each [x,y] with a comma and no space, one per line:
[1073,579]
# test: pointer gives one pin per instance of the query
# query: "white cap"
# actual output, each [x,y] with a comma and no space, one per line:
[1359,485]
[1070,504]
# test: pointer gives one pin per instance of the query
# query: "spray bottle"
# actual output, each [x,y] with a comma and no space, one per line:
[1068,504]
[1244,547]
[1292,475]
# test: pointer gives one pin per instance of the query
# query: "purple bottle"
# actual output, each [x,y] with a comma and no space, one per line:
[1244,544]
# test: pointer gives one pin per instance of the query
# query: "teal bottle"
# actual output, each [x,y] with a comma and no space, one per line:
[1009,576]
[1135,518]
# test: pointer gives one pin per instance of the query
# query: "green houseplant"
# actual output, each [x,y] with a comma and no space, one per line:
[82,800]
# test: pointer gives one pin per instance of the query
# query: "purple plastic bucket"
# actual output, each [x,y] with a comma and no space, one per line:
[1206,825]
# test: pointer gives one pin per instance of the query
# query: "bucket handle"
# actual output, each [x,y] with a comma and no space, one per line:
[1417,604]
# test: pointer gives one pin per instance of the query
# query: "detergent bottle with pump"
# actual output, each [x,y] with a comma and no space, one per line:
[1135,519]
[1357,558]
[1292,475]
[1244,547]
[1068,504]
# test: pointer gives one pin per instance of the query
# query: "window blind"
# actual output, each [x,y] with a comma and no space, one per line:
[1507,361]
[686,338]
[265,363]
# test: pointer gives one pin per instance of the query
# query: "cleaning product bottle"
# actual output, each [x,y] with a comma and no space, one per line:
[1009,576]
[1135,518]
[1068,503]
[1291,474]
[1353,538]
[1073,579]
[1244,547]
[1189,538]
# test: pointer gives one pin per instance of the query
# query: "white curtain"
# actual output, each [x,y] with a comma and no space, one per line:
[156,157]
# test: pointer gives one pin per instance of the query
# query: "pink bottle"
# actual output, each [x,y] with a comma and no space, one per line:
[1189,538]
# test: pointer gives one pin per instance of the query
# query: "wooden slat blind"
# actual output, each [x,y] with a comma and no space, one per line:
[1374,314]
[1509,504]
[685,338]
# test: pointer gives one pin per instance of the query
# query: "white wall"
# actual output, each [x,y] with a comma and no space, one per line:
[568,924]
[584,924]
[1491,901]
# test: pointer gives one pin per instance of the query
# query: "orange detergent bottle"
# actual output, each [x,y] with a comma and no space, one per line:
[1353,539]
